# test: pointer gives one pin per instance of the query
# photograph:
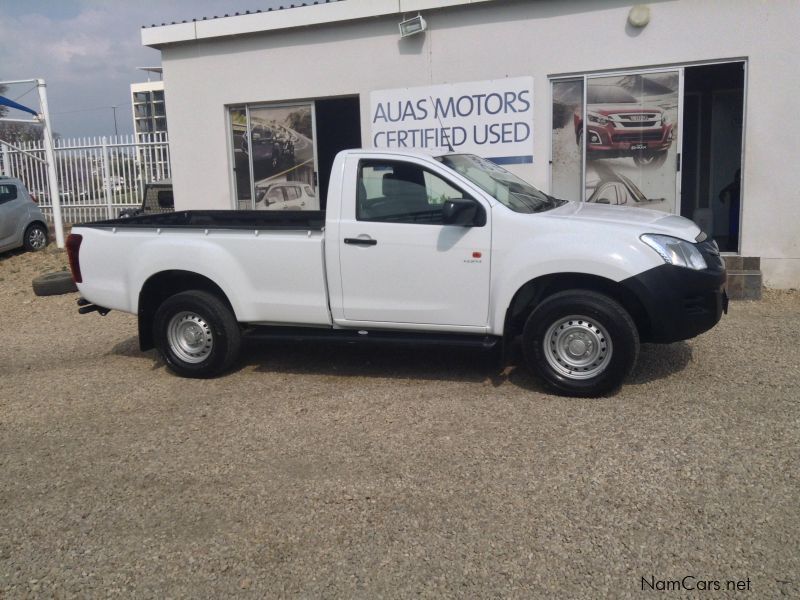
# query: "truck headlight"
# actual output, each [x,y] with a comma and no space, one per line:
[675,251]
[597,118]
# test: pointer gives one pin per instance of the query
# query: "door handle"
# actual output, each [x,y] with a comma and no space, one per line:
[360,241]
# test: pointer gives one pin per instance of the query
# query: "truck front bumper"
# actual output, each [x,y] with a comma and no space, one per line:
[680,303]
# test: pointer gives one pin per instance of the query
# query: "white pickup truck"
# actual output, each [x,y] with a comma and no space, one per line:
[412,249]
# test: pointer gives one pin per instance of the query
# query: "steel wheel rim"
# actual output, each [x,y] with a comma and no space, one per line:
[578,347]
[189,337]
[37,238]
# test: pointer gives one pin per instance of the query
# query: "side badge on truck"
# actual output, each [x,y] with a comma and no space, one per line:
[476,258]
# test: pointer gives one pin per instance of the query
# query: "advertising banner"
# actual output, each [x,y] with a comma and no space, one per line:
[631,139]
[493,118]
[279,146]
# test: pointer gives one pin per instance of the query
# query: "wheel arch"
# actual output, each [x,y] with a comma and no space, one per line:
[38,222]
[533,292]
[160,286]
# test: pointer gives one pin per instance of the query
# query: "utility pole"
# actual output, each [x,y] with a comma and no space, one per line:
[114,108]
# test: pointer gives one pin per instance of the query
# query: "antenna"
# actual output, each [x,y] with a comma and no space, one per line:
[438,118]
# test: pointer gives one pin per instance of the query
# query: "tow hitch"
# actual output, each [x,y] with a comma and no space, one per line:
[85,307]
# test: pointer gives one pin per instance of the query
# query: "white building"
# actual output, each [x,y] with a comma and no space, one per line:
[150,124]
[148,106]
[674,97]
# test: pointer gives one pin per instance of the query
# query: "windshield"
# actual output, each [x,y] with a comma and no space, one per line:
[507,188]
[608,94]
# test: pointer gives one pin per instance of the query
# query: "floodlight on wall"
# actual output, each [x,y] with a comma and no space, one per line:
[639,15]
[412,26]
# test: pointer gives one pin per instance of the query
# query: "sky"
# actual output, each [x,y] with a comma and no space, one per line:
[88,52]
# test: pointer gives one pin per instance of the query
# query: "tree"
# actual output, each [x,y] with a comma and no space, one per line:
[17,133]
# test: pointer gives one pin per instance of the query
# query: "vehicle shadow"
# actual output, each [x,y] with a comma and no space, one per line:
[8,254]
[468,365]
[657,361]
[357,360]
[130,347]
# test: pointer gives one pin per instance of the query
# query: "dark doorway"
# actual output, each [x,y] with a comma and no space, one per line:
[713,113]
[338,128]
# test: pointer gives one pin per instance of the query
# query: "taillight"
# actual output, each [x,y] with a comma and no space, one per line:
[73,249]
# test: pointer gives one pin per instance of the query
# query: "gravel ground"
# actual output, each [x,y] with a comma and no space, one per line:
[321,471]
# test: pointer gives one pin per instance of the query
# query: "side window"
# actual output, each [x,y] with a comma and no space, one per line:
[397,192]
[292,192]
[7,192]
[275,195]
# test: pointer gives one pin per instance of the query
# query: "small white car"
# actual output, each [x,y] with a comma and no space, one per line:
[286,195]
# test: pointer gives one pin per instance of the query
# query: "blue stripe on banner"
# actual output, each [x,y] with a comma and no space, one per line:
[511,160]
[7,102]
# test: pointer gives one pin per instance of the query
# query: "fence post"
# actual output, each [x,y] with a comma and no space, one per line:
[107,177]
[6,162]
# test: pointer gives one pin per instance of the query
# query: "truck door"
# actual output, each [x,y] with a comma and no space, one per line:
[399,263]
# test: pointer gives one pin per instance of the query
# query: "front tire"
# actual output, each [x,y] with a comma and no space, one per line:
[196,334]
[581,343]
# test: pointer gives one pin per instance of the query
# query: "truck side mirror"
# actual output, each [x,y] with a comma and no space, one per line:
[463,212]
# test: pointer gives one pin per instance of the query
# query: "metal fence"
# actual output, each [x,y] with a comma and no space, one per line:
[97,177]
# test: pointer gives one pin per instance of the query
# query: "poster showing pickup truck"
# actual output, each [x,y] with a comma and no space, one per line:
[629,130]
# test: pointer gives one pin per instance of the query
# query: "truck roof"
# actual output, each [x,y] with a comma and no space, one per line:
[397,153]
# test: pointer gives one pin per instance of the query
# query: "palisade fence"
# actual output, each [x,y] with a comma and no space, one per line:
[97,177]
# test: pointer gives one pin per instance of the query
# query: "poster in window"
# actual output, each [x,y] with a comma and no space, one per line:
[631,130]
[566,155]
[280,147]
[241,171]
[631,146]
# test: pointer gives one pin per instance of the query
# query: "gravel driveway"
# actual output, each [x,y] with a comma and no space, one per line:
[322,471]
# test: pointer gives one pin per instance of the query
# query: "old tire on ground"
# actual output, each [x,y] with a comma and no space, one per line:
[53,284]
[35,237]
[581,343]
[196,334]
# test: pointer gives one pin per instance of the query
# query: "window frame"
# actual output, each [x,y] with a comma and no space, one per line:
[14,194]
[367,162]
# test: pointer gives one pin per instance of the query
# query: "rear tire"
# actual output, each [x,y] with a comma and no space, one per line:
[580,343]
[196,334]
[35,237]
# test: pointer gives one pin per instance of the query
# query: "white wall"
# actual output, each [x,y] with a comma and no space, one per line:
[506,39]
